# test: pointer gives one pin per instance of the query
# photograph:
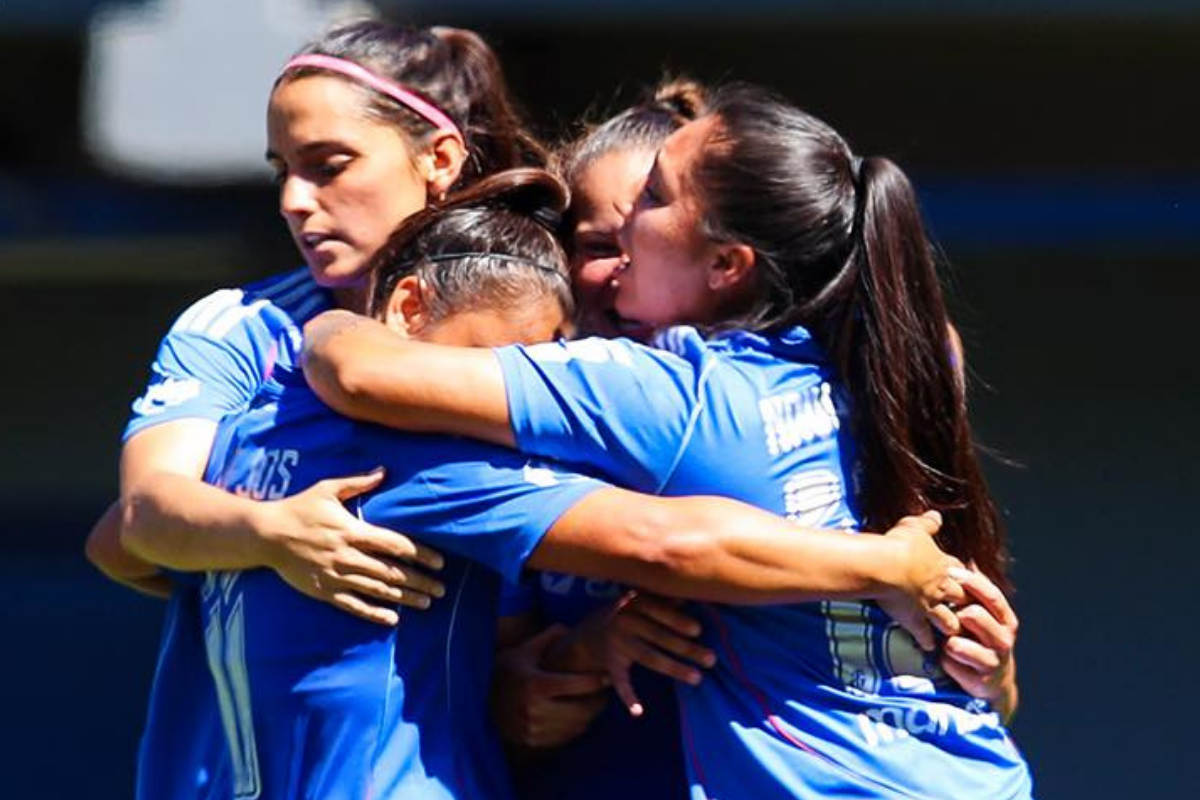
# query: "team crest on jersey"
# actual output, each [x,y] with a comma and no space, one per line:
[166,393]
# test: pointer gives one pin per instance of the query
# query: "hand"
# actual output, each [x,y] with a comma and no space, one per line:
[929,589]
[981,659]
[322,550]
[643,628]
[534,707]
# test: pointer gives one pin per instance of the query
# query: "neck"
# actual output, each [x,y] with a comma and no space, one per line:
[352,298]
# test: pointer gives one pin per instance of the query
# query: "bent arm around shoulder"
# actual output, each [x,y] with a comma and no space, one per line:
[716,549]
[362,369]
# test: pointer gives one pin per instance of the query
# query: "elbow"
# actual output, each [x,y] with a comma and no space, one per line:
[133,536]
[341,383]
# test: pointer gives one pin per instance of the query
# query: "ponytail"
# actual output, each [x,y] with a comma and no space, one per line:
[895,353]
[840,249]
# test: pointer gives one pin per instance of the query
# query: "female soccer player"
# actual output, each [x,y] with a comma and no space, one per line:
[365,126]
[822,388]
[317,703]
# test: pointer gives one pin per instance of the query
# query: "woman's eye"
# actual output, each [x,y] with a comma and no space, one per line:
[593,250]
[648,197]
[331,168]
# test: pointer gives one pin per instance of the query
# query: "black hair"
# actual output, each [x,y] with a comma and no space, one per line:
[490,246]
[452,68]
[841,249]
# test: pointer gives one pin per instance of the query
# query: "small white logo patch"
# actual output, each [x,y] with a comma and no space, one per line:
[169,392]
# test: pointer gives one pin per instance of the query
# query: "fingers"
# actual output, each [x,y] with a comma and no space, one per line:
[370,589]
[345,488]
[651,657]
[622,683]
[662,611]
[570,684]
[348,601]
[972,654]
[412,581]
[981,588]
[964,676]
[929,523]
[943,618]
[396,545]
[987,629]
[649,632]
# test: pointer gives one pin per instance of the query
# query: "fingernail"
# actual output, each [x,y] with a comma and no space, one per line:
[694,678]
[959,574]
[635,710]
[424,601]
[709,659]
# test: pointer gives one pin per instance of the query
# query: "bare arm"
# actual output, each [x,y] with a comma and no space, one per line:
[710,548]
[107,554]
[362,369]
[172,518]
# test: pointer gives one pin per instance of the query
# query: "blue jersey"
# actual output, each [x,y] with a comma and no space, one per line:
[211,363]
[317,703]
[633,758]
[813,700]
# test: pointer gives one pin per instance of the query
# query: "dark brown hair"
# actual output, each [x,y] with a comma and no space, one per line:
[840,248]
[666,109]
[452,68]
[489,246]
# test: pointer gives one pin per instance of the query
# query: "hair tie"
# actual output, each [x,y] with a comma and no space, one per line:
[525,262]
[405,97]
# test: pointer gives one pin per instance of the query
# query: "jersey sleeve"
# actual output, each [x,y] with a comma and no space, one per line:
[615,406]
[210,363]
[484,503]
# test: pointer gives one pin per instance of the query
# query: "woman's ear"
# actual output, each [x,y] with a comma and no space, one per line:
[442,163]
[732,268]
[406,312]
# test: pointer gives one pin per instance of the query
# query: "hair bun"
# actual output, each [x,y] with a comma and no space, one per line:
[681,96]
[528,191]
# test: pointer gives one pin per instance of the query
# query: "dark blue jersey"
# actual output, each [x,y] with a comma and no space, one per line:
[317,703]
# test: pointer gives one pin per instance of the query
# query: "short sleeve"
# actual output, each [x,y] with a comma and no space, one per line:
[615,406]
[210,364]
[484,503]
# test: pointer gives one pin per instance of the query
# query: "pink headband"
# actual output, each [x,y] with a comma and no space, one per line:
[423,108]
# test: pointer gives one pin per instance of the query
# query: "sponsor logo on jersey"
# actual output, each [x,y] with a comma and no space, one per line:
[886,725]
[166,393]
[794,419]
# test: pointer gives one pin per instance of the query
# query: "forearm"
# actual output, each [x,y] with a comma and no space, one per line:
[364,370]
[182,523]
[715,549]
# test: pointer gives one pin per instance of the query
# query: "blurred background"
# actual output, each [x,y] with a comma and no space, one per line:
[1054,148]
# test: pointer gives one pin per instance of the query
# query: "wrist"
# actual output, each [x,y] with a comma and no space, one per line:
[263,533]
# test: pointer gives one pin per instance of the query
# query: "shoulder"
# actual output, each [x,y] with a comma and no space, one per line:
[281,301]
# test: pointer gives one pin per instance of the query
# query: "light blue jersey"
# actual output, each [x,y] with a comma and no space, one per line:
[319,704]
[212,362]
[811,700]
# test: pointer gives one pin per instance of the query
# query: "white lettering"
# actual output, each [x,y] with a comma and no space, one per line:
[793,419]
[270,475]
[884,725]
